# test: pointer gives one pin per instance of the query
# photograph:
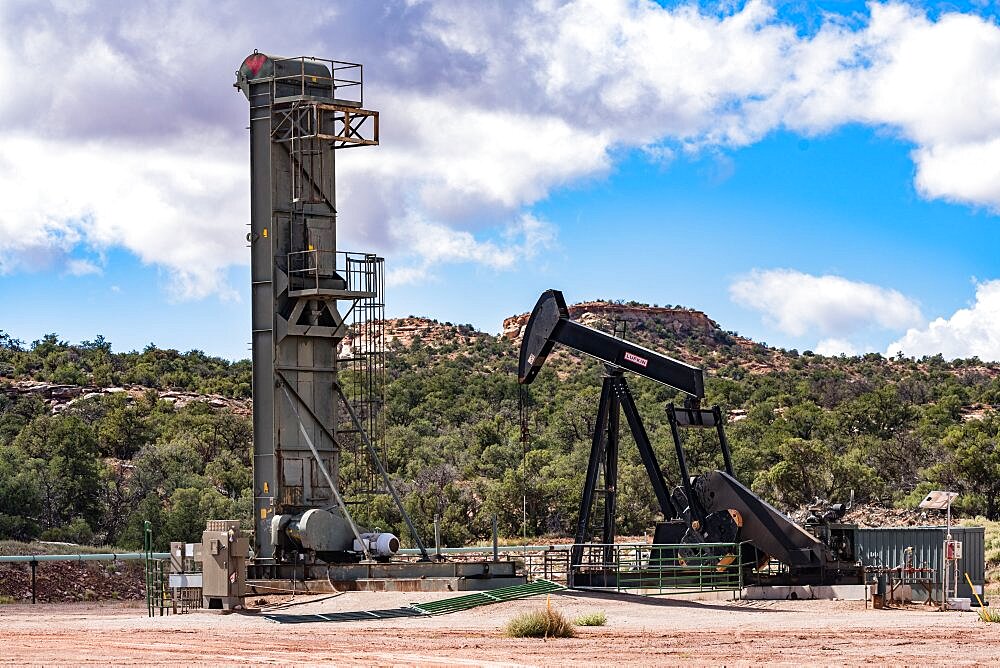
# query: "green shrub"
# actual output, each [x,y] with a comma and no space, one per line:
[545,623]
[987,615]
[991,537]
[592,619]
[77,531]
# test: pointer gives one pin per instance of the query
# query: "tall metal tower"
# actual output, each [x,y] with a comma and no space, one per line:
[308,297]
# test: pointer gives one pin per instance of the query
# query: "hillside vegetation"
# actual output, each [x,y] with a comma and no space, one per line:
[92,467]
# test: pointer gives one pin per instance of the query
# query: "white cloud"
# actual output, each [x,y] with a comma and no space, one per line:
[633,70]
[968,172]
[934,83]
[798,303]
[431,244]
[969,332]
[483,163]
[181,206]
[78,267]
[485,109]
[834,346]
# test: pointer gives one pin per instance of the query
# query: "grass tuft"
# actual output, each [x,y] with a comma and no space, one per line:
[592,619]
[544,623]
[988,615]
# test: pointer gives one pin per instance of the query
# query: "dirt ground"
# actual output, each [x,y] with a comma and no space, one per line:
[641,631]
[60,581]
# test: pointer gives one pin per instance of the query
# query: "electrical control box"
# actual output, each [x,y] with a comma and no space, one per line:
[224,553]
[953,550]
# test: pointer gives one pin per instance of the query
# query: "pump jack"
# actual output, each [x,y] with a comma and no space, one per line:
[713,507]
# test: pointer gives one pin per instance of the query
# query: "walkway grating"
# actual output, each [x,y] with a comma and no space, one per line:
[356,616]
[442,607]
[476,599]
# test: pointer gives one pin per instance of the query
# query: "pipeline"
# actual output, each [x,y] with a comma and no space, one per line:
[486,549]
[135,556]
[110,556]
[35,559]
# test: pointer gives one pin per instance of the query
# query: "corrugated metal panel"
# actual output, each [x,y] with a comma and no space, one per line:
[885,546]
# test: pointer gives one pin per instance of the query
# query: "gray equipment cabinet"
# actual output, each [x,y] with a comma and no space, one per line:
[224,554]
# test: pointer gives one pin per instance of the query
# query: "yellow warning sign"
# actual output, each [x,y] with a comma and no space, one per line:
[263,513]
[265,487]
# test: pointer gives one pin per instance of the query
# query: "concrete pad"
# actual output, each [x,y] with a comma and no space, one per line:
[427,584]
[805,592]
[686,594]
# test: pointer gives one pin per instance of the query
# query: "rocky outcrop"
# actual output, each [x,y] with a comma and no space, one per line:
[680,332]
[430,332]
[687,334]
[978,411]
[61,397]
[599,313]
[406,331]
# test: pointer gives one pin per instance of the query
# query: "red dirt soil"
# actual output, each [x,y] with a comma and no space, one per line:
[650,631]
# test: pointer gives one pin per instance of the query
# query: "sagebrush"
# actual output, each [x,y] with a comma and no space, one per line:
[544,623]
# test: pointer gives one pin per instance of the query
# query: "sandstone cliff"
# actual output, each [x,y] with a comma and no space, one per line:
[601,314]
[680,332]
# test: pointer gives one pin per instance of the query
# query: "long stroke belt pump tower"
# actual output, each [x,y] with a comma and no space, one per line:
[712,507]
[317,313]
[318,351]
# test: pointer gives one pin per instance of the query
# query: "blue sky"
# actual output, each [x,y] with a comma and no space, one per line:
[818,176]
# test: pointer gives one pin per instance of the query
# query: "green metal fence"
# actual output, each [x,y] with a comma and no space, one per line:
[157,594]
[536,562]
[660,569]
[639,568]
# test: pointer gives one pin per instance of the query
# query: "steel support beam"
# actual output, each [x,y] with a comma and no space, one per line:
[593,469]
[385,475]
